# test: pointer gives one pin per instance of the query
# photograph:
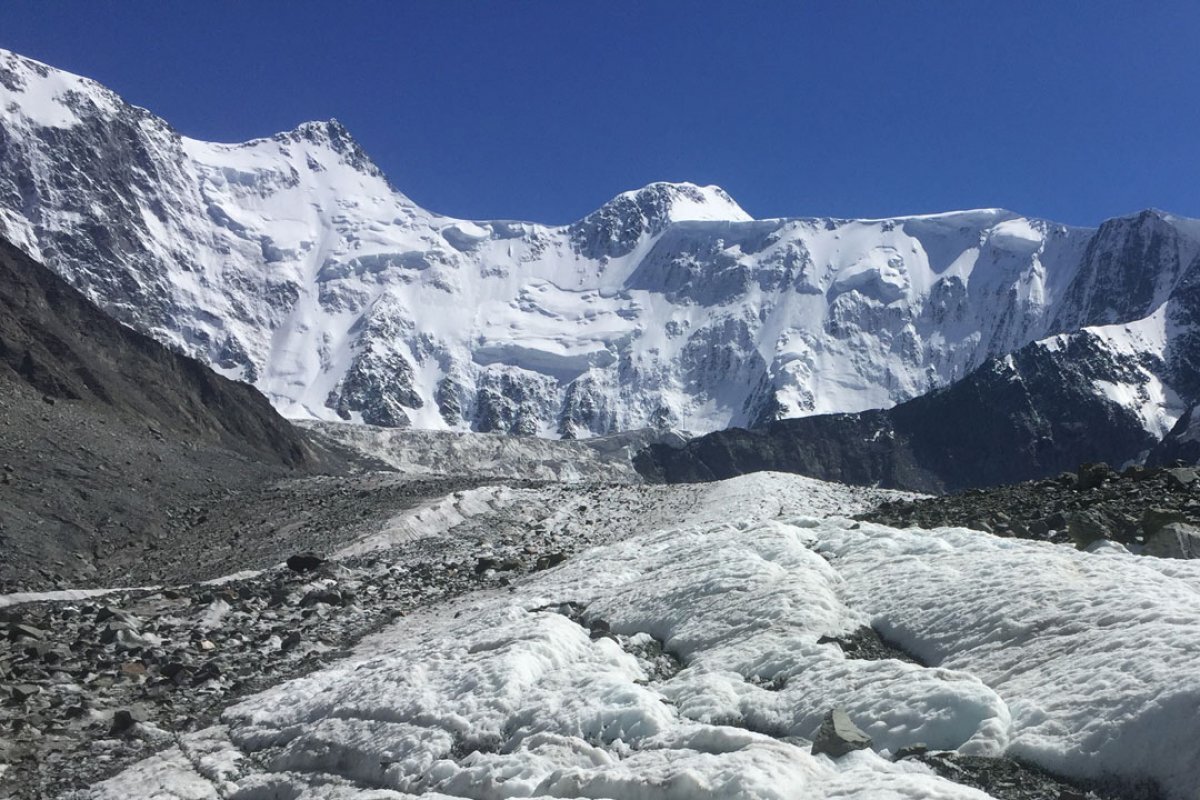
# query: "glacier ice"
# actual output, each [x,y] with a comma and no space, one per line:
[1083,663]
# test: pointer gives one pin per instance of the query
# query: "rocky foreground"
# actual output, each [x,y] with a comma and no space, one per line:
[94,683]
[1155,511]
[740,639]
[91,683]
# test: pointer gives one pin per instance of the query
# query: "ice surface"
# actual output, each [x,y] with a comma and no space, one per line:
[61,595]
[1083,663]
[1095,654]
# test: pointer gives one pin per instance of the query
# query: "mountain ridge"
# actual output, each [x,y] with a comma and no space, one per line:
[292,263]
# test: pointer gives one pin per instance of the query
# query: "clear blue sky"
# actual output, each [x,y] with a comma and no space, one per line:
[1076,111]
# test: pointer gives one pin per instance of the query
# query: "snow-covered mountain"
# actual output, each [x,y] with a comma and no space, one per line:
[291,262]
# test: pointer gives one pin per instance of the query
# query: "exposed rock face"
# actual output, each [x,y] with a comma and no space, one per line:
[291,263]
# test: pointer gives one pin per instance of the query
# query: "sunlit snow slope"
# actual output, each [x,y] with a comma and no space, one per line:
[292,263]
[1078,662]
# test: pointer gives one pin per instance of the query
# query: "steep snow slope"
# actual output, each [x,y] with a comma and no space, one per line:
[689,663]
[291,262]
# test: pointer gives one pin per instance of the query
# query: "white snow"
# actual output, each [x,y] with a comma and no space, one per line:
[62,595]
[46,96]
[1083,663]
[1142,343]
[1016,236]
[296,252]
[70,595]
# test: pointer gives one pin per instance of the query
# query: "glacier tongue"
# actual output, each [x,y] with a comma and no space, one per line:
[290,262]
[692,662]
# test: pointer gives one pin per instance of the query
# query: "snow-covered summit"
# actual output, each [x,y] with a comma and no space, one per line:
[332,135]
[623,223]
[291,262]
[663,202]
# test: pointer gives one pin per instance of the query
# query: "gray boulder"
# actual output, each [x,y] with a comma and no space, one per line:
[1182,478]
[838,735]
[1174,540]
[1088,526]
[1153,520]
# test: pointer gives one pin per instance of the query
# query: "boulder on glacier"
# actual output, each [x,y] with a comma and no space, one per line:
[1174,540]
[838,735]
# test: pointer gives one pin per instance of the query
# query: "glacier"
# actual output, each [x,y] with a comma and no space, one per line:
[689,661]
[291,262]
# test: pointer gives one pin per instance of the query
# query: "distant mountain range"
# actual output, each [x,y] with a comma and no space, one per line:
[290,262]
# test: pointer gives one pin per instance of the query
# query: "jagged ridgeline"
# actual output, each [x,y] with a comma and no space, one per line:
[291,263]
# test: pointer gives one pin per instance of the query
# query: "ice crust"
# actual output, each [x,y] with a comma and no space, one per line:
[1083,663]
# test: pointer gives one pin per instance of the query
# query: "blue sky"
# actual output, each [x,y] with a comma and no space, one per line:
[1076,111]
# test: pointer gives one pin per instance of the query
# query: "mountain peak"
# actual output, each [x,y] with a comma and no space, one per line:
[334,135]
[667,201]
[616,227]
[33,93]
[326,130]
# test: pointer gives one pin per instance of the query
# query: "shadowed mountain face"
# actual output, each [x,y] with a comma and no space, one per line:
[1181,444]
[57,342]
[1033,414]
[110,444]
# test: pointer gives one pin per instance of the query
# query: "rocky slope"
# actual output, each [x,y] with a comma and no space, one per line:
[107,438]
[58,343]
[417,453]
[291,262]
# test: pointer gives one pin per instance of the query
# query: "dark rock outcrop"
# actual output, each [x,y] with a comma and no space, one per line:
[1025,416]
[1132,508]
